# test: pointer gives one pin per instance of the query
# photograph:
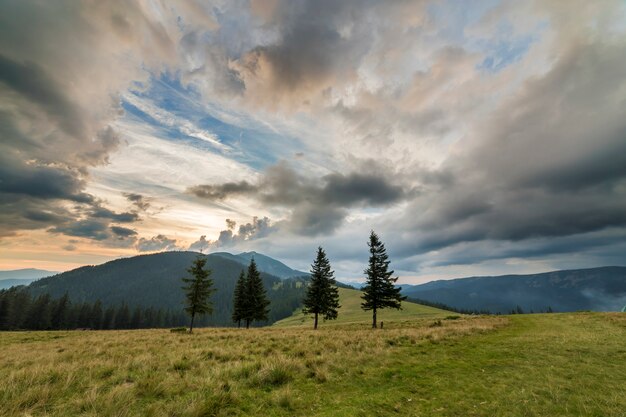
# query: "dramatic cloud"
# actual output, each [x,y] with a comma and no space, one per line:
[156,243]
[317,206]
[489,138]
[228,238]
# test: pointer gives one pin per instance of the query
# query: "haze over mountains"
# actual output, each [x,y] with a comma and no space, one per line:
[22,276]
[597,289]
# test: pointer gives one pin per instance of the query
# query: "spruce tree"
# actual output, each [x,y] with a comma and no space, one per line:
[60,312]
[108,320]
[95,317]
[322,296]
[122,317]
[256,302]
[198,290]
[379,291]
[239,299]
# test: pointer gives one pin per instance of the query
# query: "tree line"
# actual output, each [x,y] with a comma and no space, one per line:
[250,301]
[21,311]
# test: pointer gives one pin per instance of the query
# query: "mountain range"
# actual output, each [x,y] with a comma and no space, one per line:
[264,263]
[22,276]
[155,280]
[597,289]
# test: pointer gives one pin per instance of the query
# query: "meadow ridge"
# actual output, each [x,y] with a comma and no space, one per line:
[522,365]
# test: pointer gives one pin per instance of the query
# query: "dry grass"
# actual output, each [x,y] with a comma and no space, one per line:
[268,371]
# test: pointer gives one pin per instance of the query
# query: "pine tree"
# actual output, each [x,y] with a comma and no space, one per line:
[135,320]
[239,299]
[122,317]
[4,310]
[60,312]
[95,317]
[256,302]
[379,291]
[198,290]
[108,321]
[322,296]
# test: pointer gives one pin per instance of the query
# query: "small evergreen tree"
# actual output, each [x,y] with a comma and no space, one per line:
[256,302]
[379,291]
[322,296]
[239,299]
[198,290]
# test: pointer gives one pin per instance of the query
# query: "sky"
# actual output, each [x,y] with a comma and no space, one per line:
[476,138]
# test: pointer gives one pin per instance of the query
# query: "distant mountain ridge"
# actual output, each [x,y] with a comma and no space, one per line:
[25,276]
[264,263]
[597,289]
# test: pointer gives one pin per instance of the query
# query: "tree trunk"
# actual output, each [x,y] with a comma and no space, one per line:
[315,325]
[191,325]
[247,324]
[374,319]
[239,324]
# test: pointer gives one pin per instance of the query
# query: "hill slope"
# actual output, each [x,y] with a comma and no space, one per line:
[350,312]
[598,289]
[155,281]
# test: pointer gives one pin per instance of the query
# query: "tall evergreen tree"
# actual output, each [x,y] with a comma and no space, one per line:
[4,310]
[379,291]
[108,320]
[95,317]
[135,320]
[122,317]
[198,290]
[239,299]
[322,296]
[60,313]
[256,301]
[39,314]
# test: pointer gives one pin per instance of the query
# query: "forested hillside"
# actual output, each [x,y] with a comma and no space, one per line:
[155,281]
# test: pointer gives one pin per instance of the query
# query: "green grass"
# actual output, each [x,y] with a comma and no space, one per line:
[351,313]
[525,365]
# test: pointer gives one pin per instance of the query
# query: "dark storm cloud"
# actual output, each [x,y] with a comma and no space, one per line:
[317,206]
[551,163]
[58,85]
[31,81]
[44,182]
[123,231]
[138,200]
[222,191]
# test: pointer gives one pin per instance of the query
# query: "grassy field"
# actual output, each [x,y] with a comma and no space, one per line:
[525,365]
[351,312]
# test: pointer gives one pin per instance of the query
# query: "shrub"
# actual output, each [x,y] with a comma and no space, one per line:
[179,330]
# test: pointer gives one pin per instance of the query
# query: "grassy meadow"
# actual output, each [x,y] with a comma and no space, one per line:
[351,312]
[524,365]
